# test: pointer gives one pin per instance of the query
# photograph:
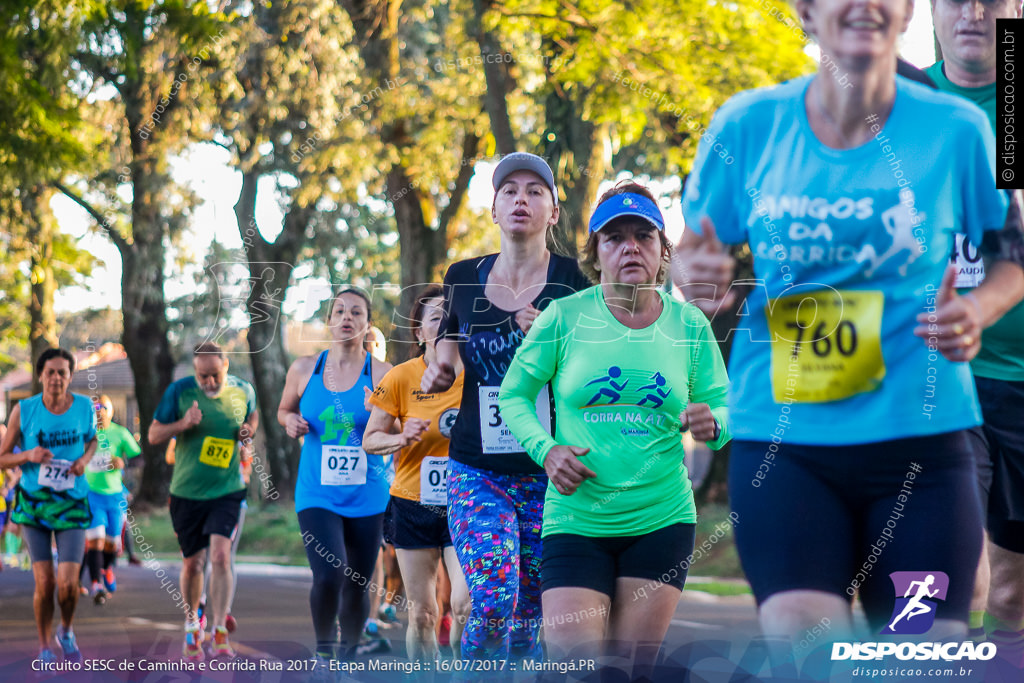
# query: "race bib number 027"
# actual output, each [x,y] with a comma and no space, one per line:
[342,466]
[826,345]
[495,436]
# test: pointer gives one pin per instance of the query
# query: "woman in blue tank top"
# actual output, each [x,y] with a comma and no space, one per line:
[341,492]
[55,432]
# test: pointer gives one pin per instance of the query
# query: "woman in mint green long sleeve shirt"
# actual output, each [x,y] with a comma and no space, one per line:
[630,368]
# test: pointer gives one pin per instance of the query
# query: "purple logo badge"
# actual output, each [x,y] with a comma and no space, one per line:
[917,596]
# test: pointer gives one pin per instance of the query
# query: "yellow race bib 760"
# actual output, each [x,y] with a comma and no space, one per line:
[826,345]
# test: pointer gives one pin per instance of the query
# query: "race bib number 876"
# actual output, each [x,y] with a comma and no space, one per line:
[217,452]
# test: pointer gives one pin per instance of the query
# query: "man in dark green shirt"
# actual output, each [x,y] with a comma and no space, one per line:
[966,32]
[211,415]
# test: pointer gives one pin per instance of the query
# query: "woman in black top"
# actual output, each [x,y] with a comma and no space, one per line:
[495,492]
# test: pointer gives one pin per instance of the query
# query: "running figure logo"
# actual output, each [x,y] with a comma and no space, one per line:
[901,222]
[612,391]
[914,612]
[612,387]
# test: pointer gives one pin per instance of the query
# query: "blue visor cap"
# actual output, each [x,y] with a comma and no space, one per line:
[626,204]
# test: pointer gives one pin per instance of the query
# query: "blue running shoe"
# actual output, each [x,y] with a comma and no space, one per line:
[46,660]
[67,643]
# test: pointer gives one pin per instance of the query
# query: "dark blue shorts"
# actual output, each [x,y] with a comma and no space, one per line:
[999,447]
[840,519]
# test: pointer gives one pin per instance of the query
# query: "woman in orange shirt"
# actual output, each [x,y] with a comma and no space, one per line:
[419,424]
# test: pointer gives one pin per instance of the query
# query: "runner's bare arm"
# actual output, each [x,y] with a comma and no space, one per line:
[8,458]
[703,269]
[288,415]
[440,375]
[1002,288]
[248,428]
[383,434]
[78,468]
[160,432]
[378,369]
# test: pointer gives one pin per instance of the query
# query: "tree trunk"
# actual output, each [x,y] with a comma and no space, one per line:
[498,79]
[574,147]
[145,321]
[421,247]
[40,231]
[418,250]
[270,268]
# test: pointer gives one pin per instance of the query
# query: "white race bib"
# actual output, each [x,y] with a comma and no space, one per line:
[101,462]
[495,436]
[434,481]
[970,269]
[342,466]
[56,475]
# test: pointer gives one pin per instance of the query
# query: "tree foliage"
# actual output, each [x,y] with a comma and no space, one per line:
[142,62]
[362,119]
[42,134]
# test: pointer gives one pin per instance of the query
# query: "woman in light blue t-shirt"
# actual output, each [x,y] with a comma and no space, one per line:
[850,431]
[56,432]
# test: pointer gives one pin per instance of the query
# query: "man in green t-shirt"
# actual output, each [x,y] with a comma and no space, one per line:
[966,32]
[107,501]
[211,415]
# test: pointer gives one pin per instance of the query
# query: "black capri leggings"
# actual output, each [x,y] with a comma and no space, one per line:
[342,553]
[840,519]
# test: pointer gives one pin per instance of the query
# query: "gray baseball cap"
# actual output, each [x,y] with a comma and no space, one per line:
[524,161]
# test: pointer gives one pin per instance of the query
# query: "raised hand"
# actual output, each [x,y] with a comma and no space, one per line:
[437,377]
[703,269]
[698,418]
[414,429]
[955,326]
[193,415]
[296,426]
[526,316]
[39,455]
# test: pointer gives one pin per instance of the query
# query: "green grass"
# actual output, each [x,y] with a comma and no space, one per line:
[270,532]
[714,552]
[719,588]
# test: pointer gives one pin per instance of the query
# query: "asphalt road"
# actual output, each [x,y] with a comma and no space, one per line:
[140,627]
[137,636]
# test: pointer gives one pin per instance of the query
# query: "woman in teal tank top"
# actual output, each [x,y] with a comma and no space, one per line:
[341,492]
[56,432]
